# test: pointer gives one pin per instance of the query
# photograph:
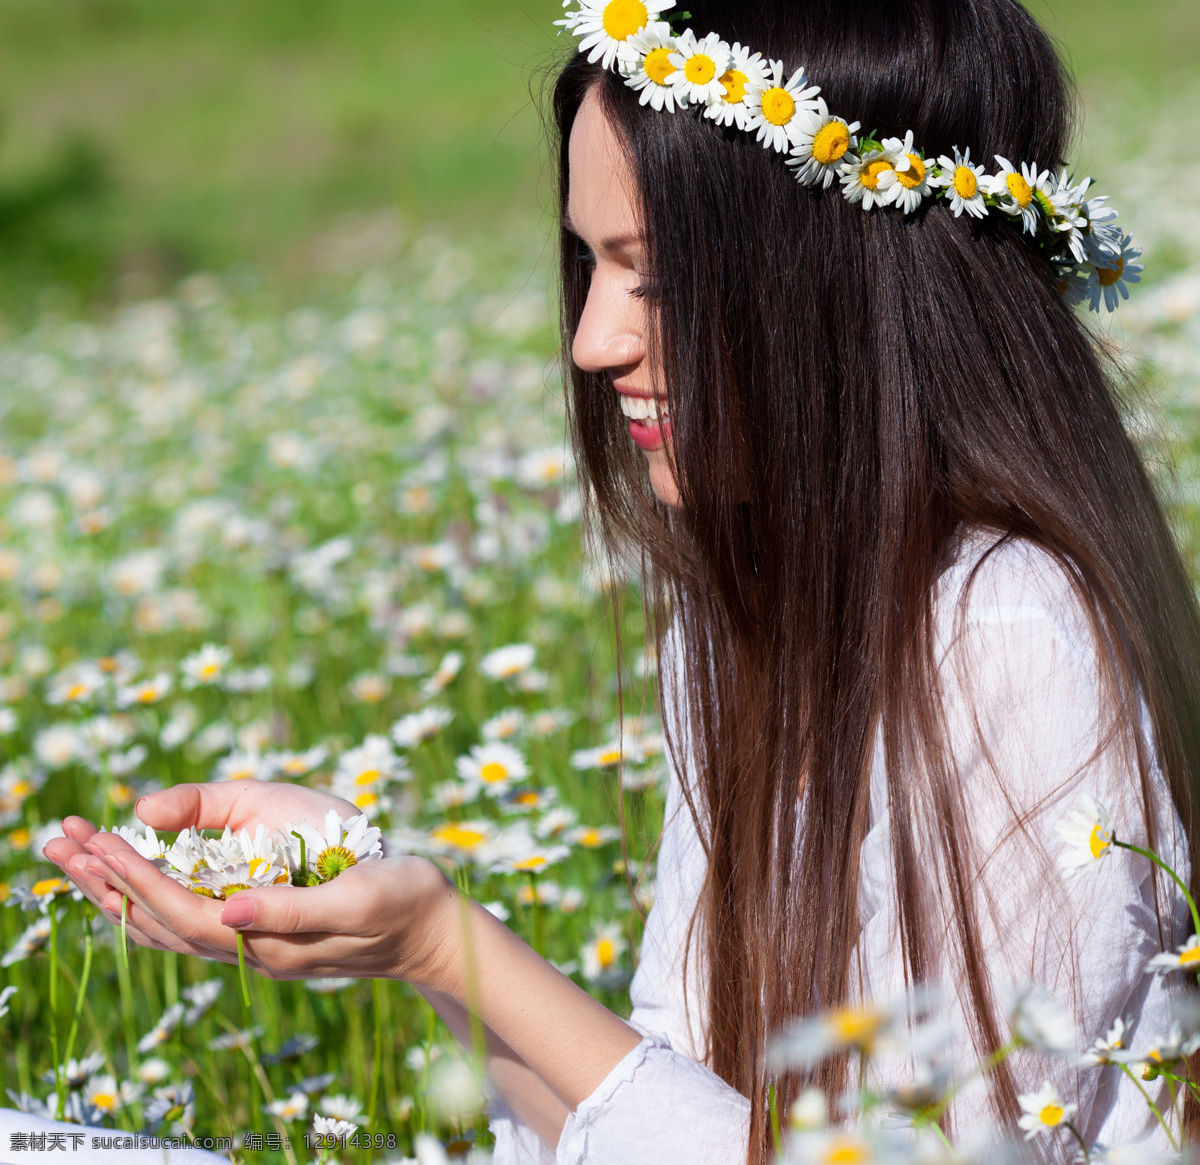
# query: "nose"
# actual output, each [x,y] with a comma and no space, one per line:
[611,331]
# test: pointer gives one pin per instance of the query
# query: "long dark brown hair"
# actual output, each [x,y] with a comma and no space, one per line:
[848,390]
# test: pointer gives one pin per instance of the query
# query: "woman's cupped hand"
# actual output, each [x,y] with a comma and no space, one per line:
[390,918]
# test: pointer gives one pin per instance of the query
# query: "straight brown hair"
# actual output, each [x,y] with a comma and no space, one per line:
[849,391]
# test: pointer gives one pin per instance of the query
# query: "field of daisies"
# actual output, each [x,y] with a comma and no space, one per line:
[340,545]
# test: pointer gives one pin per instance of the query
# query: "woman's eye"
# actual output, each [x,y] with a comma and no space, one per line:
[644,290]
[583,254]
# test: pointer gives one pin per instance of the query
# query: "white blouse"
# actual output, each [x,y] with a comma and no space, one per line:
[1019,673]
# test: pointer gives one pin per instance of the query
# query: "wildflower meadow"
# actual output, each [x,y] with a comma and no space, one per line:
[340,545]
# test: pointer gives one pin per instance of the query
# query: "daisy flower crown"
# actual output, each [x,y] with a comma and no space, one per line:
[1092,258]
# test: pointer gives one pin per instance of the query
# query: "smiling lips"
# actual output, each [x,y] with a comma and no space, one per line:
[649,420]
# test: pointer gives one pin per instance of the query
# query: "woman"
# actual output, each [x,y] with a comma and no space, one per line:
[921,598]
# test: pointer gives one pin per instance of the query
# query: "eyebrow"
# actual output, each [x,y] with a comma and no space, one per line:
[615,243]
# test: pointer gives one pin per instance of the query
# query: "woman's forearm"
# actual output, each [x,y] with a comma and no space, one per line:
[523,1090]
[555,1028]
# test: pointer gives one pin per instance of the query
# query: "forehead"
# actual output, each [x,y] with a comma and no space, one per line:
[602,195]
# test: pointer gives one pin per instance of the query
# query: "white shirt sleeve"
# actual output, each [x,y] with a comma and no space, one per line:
[1024,704]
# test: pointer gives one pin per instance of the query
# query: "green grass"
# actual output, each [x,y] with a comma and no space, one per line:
[143,139]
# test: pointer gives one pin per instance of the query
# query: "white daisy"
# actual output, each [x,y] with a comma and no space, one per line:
[604,27]
[1036,1021]
[645,60]
[602,953]
[700,65]
[206,666]
[293,1108]
[450,666]
[861,179]
[1110,280]
[332,1128]
[909,178]
[965,184]
[1101,1052]
[607,756]
[506,663]
[338,846]
[775,107]
[491,768]
[1088,834]
[824,144]
[504,725]
[414,729]
[298,764]
[530,859]
[144,692]
[1186,958]
[1044,1111]
[243,766]
[225,880]
[746,71]
[1018,191]
[463,841]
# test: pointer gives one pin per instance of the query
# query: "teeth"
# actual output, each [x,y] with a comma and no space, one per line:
[643,408]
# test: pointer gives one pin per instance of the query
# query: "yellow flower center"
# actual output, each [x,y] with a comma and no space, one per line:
[700,69]
[366,800]
[611,757]
[735,82]
[493,771]
[778,106]
[459,835]
[1019,189]
[47,886]
[831,142]
[1109,275]
[1191,955]
[294,765]
[606,952]
[20,790]
[335,859]
[658,68]
[530,864]
[256,864]
[210,671]
[591,838]
[854,1025]
[527,798]
[147,695]
[622,18]
[1051,1114]
[843,1152]
[966,185]
[203,891]
[870,176]
[120,794]
[20,838]
[368,777]
[77,692]
[914,175]
[104,1101]
[1043,200]
[1099,841]
[235,888]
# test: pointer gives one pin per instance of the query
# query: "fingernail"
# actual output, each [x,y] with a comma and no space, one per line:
[95,868]
[237,912]
[78,864]
[116,865]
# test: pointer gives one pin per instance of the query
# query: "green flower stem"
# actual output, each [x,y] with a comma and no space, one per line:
[377,989]
[773,1107]
[1148,854]
[429,1038]
[1087,1157]
[80,994]
[59,1082]
[128,1019]
[242,970]
[1153,1107]
[124,934]
[983,1069]
[539,943]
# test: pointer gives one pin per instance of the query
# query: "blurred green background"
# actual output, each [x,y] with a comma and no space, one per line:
[144,139]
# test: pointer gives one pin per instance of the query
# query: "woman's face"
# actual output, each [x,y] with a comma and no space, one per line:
[602,210]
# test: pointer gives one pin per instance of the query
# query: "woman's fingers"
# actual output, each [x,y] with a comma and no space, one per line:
[155,933]
[78,829]
[190,916]
[210,806]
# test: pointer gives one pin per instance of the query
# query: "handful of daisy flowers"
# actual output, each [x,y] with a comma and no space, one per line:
[294,854]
